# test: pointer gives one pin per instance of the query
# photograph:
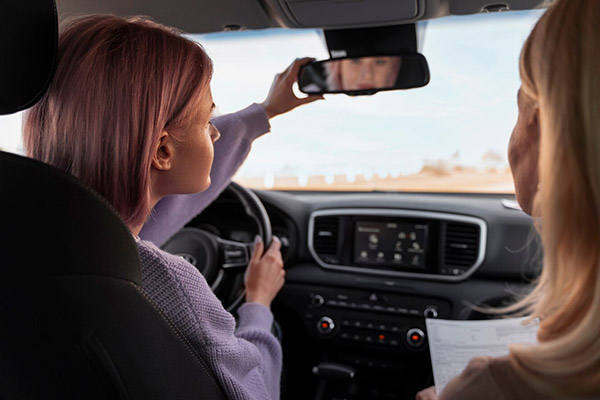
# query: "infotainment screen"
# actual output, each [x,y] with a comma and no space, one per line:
[395,244]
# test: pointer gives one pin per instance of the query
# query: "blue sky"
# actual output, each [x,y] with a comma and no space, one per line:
[469,106]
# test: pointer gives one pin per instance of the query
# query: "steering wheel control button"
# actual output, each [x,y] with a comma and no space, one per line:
[234,255]
[415,338]
[325,326]
[430,312]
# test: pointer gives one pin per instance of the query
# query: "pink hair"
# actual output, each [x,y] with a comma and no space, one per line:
[119,83]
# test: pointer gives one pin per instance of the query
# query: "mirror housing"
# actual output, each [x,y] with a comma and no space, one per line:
[367,75]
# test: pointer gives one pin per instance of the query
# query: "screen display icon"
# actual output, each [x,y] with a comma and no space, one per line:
[395,244]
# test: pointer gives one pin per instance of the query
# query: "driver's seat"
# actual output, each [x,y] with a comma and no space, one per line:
[74,321]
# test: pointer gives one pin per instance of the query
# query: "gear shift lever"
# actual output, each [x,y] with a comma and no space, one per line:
[336,381]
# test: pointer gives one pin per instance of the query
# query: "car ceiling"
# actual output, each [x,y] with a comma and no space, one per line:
[202,16]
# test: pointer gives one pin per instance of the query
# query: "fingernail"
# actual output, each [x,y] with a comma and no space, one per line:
[276,239]
[257,239]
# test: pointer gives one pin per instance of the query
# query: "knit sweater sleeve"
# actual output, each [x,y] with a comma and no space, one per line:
[238,131]
[246,361]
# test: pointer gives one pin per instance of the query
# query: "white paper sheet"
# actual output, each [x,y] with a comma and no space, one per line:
[452,344]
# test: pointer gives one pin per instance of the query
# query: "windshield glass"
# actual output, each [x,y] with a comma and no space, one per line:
[449,136]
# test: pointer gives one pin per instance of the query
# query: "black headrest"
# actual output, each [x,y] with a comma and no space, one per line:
[28,44]
[52,225]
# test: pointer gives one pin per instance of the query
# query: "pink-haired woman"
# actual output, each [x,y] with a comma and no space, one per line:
[129,114]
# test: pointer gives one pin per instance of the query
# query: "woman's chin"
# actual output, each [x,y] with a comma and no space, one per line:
[204,186]
[199,187]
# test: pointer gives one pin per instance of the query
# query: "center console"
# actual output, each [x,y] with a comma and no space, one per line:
[372,344]
[380,335]
[406,243]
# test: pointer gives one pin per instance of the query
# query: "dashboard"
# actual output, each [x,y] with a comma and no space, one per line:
[364,271]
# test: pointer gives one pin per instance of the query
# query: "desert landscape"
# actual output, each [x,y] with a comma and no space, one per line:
[426,180]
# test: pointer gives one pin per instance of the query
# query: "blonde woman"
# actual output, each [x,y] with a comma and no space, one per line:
[555,159]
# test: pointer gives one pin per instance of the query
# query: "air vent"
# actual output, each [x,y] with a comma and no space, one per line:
[462,244]
[325,235]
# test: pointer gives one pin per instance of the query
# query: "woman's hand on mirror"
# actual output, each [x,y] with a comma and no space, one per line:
[281,97]
[265,274]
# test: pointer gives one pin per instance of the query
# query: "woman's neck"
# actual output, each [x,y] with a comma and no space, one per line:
[136,229]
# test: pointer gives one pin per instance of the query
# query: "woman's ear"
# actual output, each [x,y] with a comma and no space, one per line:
[162,157]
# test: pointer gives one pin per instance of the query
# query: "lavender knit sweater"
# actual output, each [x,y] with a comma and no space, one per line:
[247,360]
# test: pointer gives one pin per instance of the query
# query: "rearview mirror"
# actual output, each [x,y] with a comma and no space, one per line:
[364,75]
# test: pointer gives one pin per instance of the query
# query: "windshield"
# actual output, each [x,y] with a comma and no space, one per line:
[450,136]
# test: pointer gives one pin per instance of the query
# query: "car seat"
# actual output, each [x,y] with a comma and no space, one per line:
[74,320]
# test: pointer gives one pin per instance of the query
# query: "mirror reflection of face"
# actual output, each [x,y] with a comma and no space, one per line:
[369,72]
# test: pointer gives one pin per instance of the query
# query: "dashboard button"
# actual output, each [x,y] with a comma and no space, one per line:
[374,297]
[325,326]
[414,312]
[402,311]
[430,312]
[317,300]
[415,337]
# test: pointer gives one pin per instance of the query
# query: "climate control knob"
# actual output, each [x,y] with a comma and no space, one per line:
[317,300]
[415,338]
[430,312]
[325,326]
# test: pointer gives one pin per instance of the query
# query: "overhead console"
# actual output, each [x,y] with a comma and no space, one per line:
[405,243]
[340,14]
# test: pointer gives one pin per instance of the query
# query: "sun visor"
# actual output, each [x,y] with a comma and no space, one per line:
[28,43]
[340,14]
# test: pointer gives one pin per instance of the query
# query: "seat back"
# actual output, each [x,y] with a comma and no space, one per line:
[74,321]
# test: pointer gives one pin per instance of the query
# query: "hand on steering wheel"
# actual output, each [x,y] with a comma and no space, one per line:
[265,274]
[222,261]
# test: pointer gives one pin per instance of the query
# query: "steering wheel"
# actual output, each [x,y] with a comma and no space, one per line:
[221,261]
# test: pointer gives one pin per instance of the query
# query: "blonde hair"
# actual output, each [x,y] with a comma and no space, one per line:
[560,69]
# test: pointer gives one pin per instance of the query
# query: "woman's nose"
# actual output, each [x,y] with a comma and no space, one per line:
[367,71]
[214,133]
